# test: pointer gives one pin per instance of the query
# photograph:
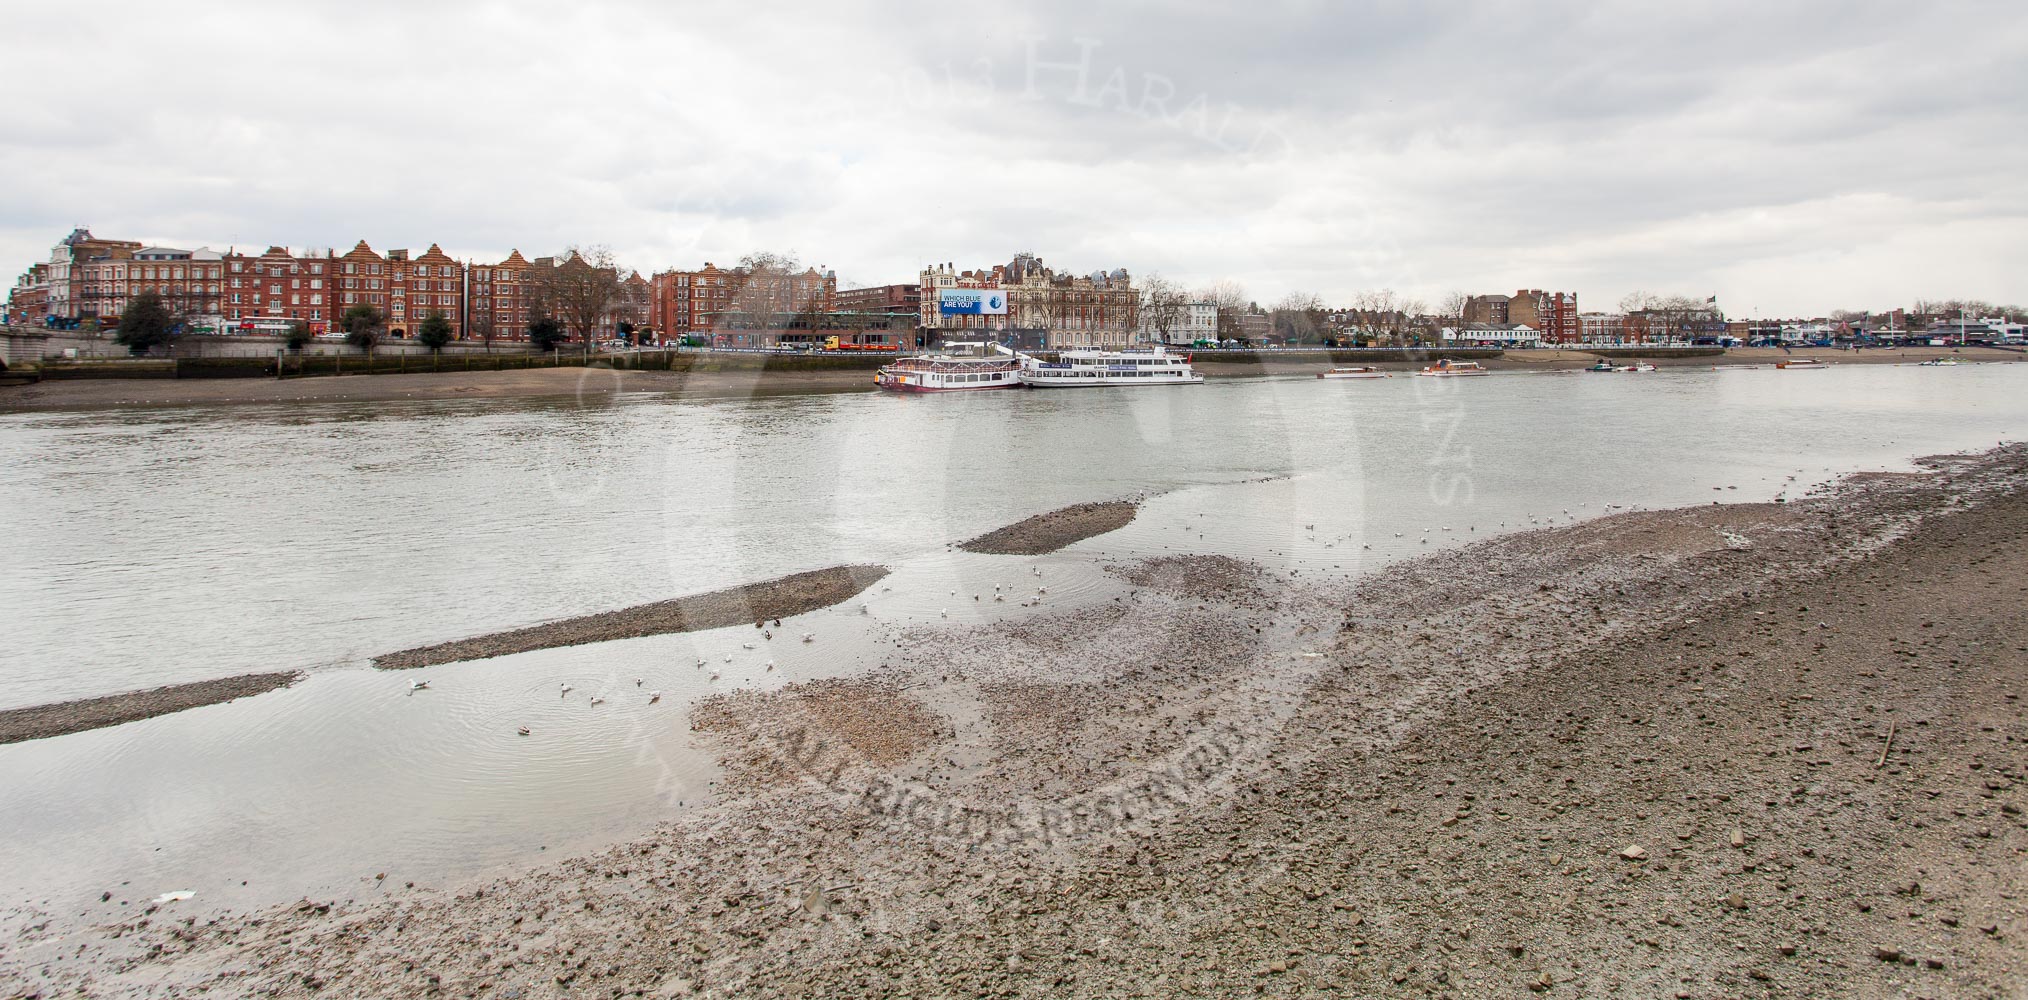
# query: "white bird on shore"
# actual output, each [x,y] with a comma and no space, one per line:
[415,686]
[714,675]
[637,682]
[596,700]
[769,634]
[771,664]
[728,657]
[562,689]
[809,637]
[945,613]
[654,696]
[864,609]
[746,645]
[523,730]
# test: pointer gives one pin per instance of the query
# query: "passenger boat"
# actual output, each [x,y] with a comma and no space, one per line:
[1788,363]
[950,372]
[1090,368]
[1365,372]
[1942,363]
[1607,366]
[1446,368]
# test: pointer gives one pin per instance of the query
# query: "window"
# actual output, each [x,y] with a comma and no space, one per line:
[316,300]
[316,282]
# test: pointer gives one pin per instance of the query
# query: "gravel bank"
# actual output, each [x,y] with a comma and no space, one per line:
[789,595]
[43,721]
[1045,533]
[1752,750]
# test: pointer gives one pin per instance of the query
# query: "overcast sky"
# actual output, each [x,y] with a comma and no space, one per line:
[1788,157]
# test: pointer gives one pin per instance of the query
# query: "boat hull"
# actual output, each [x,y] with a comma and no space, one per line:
[1047,382]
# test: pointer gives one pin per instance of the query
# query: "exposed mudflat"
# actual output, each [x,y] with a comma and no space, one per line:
[43,721]
[779,598]
[1045,533]
[1725,751]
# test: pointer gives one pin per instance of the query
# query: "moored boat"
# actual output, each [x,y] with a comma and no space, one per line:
[1446,368]
[1077,369]
[1362,372]
[1942,363]
[949,372]
[1799,363]
[1607,366]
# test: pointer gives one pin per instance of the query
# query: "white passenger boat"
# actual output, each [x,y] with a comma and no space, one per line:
[1089,368]
[1446,368]
[1366,372]
[1788,363]
[949,372]
[1942,363]
[1608,366]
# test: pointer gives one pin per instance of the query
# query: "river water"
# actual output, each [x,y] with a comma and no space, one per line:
[155,546]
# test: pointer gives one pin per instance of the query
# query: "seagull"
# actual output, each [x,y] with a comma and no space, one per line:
[563,689]
[523,730]
[746,645]
[778,623]
[418,686]
[728,657]
[654,696]
[864,610]
[700,661]
[637,682]
[714,675]
[769,634]
[596,700]
[771,664]
[809,636]
[946,613]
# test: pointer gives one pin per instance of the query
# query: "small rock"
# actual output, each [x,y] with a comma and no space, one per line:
[1738,838]
[1736,901]
[1633,852]
[1887,954]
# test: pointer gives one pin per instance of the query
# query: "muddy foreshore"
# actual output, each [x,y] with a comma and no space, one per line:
[1045,533]
[43,721]
[778,598]
[1748,750]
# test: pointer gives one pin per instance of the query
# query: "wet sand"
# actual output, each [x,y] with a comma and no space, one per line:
[1741,750]
[44,721]
[82,394]
[741,605]
[1045,533]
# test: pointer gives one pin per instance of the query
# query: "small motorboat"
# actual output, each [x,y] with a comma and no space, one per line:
[1446,368]
[1607,366]
[1367,371]
[1799,363]
[1942,363]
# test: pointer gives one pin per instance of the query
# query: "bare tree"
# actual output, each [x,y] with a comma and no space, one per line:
[1451,308]
[1230,300]
[1162,305]
[1297,317]
[579,293]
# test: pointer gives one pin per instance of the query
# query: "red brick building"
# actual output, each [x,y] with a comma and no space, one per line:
[430,283]
[265,294]
[359,278]
[682,302]
[498,299]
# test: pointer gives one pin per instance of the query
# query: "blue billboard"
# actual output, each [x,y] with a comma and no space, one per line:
[971,302]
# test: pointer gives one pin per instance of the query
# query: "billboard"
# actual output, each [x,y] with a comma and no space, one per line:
[972,302]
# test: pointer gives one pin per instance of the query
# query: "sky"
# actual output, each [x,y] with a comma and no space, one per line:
[1789,158]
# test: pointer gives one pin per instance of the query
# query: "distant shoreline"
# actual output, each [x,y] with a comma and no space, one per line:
[600,383]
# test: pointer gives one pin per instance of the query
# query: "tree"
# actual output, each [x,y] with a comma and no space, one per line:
[1451,308]
[578,293]
[481,313]
[145,324]
[297,336]
[1163,304]
[435,331]
[363,325]
[1297,318]
[545,333]
[1230,300]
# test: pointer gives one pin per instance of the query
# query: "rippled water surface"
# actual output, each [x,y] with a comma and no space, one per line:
[149,547]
